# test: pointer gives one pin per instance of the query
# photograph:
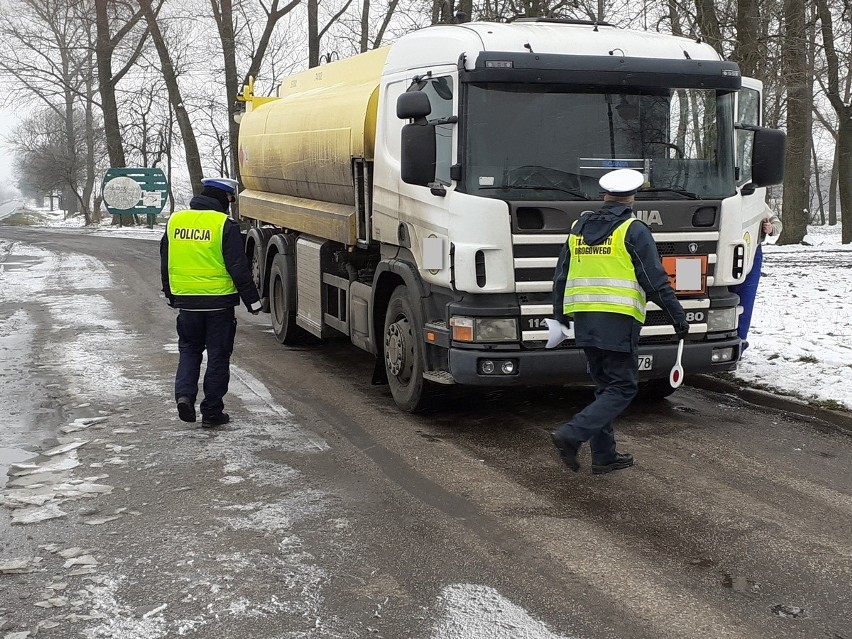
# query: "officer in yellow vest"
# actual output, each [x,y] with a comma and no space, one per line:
[205,273]
[607,269]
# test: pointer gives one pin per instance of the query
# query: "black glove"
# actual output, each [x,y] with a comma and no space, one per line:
[681,329]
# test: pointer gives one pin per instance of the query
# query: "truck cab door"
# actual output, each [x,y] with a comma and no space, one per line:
[425,208]
[749,112]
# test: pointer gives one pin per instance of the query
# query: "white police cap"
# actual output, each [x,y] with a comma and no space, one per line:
[621,182]
[226,184]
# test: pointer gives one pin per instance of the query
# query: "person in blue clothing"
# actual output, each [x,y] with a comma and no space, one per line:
[607,269]
[770,226]
[205,273]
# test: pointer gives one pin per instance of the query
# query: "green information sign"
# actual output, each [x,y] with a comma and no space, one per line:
[135,191]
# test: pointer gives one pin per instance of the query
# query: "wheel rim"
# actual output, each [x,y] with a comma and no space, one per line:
[399,350]
[255,269]
[278,301]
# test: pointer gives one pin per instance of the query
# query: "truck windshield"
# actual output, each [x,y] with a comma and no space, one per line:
[544,142]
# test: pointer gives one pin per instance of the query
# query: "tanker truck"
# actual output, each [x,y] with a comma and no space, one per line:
[415,198]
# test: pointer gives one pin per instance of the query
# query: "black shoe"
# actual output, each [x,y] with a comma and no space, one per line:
[215,420]
[567,448]
[621,460]
[186,409]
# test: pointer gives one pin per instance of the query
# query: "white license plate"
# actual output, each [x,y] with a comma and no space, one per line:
[646,362]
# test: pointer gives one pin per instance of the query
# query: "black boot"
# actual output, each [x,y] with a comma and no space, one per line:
[567,448]
[215,420]
[619,461]
[186,409]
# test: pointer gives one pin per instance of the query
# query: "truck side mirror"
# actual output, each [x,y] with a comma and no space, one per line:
[767,156]
[413,105]
[417,159]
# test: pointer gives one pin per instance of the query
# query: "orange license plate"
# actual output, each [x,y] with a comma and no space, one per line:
[687,273]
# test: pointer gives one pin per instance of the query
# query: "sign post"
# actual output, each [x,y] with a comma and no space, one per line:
[135,191]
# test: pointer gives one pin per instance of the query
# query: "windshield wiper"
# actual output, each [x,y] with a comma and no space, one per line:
[683,192]
[570,191]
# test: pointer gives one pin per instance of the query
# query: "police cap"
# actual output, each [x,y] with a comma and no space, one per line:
[228,185]
[621,182]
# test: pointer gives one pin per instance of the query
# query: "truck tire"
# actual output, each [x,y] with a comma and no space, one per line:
[282,301]
[403,354]
[654,390]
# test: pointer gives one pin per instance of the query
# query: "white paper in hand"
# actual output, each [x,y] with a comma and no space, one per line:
[557,333]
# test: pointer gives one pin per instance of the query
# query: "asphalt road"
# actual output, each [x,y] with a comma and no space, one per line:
[322,511]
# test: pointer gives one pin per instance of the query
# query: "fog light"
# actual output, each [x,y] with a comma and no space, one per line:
[722,354]
[487,367]
[508,367]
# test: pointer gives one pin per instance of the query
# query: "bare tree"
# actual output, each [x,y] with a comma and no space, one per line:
[193,158]
[47,53]
[797,162]
[843,111]
[316,33]
[228,27]
[127,18]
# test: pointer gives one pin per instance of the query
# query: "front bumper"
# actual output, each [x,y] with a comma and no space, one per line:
[566,366]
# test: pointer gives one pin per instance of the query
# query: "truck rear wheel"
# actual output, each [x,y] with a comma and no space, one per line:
[282,300]
[403,354]
[654,390]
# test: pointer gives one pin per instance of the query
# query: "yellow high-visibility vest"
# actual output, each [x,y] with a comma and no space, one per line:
[602,279]
[196,263]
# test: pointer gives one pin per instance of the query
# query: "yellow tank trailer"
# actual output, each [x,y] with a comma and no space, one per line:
[297,151]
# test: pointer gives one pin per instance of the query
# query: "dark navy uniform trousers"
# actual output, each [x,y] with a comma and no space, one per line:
[616,376]
[198,331]
[748,292]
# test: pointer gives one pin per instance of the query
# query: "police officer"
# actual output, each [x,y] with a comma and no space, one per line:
[607,268]
[205,273]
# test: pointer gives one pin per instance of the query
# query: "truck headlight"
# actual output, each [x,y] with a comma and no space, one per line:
[484,329]
[721,319]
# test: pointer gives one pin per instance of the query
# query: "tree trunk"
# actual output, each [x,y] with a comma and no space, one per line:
[365,26]
[797,159]
[817,188]
[844,119]
[225,22]
[708,23]
[89,183]
[832,188]
[193,158]
[747,45]
[313,34]
[844,144]
[103,50]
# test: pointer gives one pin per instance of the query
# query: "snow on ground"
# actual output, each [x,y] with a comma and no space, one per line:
[800,342]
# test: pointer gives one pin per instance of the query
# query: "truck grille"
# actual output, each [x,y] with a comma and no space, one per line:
[535,257]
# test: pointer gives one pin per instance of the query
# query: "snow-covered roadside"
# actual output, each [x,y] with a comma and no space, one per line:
[56,220]
[801,337]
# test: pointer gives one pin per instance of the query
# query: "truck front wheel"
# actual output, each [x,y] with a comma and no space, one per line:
[282,300]
[403,354]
